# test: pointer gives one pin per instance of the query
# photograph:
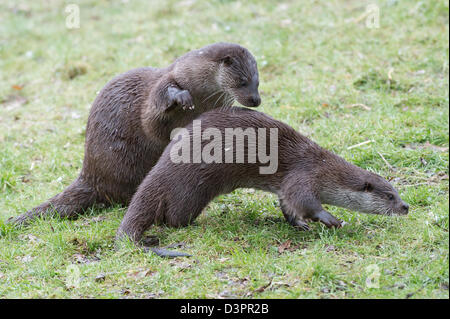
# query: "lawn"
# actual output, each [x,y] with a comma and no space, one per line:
[376,94]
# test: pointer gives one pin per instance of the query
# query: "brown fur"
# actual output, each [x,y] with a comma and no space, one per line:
[307,177]
[131,119]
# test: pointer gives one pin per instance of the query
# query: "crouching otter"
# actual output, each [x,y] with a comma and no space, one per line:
[131,119]
[204,161]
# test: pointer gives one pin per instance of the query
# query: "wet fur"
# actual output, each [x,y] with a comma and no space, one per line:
[307,176]
[131,119]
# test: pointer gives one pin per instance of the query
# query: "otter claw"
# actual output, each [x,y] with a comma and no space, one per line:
[328,220]
[302,226]
[179,98]
[184,99]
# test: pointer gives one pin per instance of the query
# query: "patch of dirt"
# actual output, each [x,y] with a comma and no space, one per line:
[426,145]
[374,80]
[14,101]
[287,246]
[74,69]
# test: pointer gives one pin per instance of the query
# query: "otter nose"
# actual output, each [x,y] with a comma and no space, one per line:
[256,100]
[405,208]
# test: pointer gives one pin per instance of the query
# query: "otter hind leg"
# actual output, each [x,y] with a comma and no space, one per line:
[68,204]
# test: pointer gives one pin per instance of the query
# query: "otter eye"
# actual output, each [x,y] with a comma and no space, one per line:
[368,187]
[243,83]
[390,196]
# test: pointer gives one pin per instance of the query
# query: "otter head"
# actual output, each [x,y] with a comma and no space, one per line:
[360,190]
[238,74]
[375,195]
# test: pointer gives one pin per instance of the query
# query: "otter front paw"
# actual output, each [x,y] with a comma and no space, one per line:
[184,99]
[293,219]
[327,219]
[301,225]
[180,98]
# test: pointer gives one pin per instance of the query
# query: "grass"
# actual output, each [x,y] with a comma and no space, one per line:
[322,70]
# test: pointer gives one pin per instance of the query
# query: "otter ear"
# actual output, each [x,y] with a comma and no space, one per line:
[227,60]
[367,187]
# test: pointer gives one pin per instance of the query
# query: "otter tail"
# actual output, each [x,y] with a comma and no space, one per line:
[161,252]
[68,204]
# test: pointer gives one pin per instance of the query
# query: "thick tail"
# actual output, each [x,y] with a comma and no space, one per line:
[161,252]
[69,203]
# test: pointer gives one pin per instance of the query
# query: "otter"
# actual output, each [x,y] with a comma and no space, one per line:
[131,119]
[306,176]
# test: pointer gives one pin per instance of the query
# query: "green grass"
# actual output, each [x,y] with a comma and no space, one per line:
[321,70]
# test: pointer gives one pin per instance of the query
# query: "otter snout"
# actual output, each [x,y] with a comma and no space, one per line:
[253,100]
[246,92]
[404,208]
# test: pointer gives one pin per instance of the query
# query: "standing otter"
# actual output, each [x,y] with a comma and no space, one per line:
[306,176]
[131,119]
